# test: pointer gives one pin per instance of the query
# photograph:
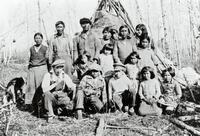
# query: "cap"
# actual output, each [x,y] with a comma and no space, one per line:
[85,21]
[58,62]
[119,67]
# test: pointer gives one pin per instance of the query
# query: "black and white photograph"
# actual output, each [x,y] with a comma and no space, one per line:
[100,68]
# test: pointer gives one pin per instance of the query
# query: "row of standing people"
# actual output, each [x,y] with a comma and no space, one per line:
[86,49]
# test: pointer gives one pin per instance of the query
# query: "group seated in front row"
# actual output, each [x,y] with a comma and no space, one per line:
[92,94]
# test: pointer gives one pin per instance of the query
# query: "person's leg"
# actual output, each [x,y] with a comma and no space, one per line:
[79,100]
[96,103]
[117,98]
[49,102]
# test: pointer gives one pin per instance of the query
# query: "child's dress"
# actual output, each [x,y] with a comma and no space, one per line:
[149,89]
[171,93]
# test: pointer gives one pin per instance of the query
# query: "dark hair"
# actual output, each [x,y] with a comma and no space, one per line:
[143,28]
[113,31]
[79,59]
[143,38]
[38,33]
[106,29]
[146,69]
[129,32]
[60,22]
[107,46]
[128,59]
[170,70]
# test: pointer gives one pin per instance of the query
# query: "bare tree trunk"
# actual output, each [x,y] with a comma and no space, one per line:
[166,46]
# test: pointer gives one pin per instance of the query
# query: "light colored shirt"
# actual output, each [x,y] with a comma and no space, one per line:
[50,81]
[149,89]
[106,62]
[122,48]
[118,86]
[132,71]
[148,58]
[60,46]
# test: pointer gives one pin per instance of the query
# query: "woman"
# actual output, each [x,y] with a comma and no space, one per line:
[124,46]
[37,67]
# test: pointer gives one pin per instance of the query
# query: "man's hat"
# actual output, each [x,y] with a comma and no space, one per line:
[94,67]
[58,62]
[119,67]
[85,21]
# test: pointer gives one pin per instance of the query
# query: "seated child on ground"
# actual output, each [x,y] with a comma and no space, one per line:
[149,92]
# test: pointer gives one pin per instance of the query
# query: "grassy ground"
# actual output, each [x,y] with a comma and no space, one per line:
[24,124]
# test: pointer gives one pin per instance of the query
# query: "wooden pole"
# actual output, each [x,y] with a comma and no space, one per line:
[185,126]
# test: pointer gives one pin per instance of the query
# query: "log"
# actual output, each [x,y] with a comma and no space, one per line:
[100,128]
[187,118]
[185,126]
[132,128]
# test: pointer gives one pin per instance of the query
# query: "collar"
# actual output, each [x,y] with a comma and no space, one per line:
[63,35]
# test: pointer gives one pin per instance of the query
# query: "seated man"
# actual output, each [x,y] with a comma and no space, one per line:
[56,86]
[91,92]
[121,90]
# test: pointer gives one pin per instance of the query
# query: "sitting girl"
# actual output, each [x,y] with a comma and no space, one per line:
[149,92]
[171,90]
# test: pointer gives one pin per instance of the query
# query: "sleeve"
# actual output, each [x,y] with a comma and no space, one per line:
[46,83]
[110,89]
[69,83]
[75,49]
[29,54]
[97,48]
[178,90]
[158,92]
[70,44]
[50,51]
[154,58]
[115,53]
[104,94]
[140,92]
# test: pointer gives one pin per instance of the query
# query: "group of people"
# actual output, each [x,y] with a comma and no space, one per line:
[119,71]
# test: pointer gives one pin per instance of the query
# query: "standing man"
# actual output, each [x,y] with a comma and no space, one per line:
[60,47]
[86,41]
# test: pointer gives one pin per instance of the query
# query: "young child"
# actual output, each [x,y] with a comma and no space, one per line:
[171,90]
[37,67]
[148,57]
[121,91]
[149,92]
[141,31]
[131,64]
[132,69]
[81,64]
[106,59]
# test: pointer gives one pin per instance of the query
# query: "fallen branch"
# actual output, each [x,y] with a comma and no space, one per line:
[100,128]
[5,105]
[132,128]
[185,126]
[187,118]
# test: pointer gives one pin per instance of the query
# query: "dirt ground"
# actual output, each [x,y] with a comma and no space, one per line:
[25,124]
